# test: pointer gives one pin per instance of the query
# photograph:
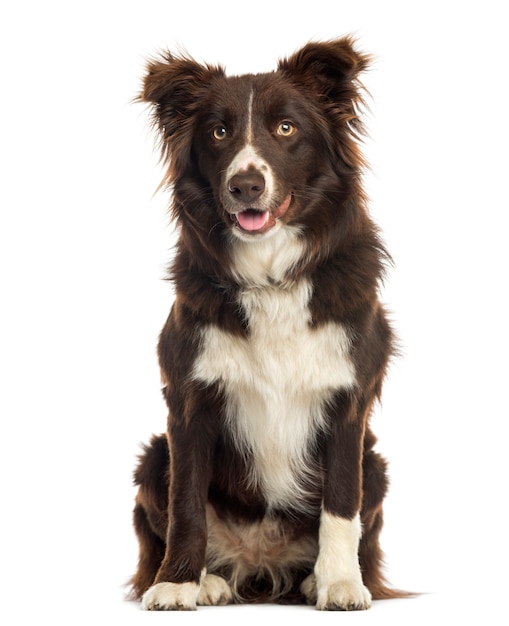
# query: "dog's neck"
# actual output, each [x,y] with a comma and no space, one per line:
[267,261]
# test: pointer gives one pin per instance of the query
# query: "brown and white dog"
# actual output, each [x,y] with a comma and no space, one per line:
[266,485]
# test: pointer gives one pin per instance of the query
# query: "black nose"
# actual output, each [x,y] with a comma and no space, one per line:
[247,186]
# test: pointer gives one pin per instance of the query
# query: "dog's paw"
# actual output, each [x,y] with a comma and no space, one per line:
[343,595]
[171,597]
[308,589]
[214,591]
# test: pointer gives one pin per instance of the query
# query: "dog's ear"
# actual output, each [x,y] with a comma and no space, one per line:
[329,67]
[329,71]
[175,86]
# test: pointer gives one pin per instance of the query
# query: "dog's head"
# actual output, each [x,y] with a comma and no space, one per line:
[249,154]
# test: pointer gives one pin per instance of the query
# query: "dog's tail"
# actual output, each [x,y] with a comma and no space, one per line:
[371,561]
[385,592]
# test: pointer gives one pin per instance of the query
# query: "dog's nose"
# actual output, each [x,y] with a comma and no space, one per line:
[247,186]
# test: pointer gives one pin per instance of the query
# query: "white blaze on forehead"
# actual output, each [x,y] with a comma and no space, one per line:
[248,158]
[249,133]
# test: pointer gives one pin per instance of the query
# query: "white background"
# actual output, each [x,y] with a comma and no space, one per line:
[83,247]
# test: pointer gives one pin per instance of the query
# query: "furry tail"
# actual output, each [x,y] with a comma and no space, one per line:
[371,560]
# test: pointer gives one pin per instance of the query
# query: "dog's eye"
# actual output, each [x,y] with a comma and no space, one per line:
[286,129]
[219,133]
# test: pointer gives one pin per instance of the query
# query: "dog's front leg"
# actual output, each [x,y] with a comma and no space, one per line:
[177,584]
[339,584]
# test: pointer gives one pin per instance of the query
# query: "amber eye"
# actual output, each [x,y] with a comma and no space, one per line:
[219,133]
[286,129]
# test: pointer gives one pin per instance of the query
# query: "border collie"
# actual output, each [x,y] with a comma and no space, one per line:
[266,486]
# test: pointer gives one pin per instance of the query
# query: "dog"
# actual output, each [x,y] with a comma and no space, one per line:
[266,485]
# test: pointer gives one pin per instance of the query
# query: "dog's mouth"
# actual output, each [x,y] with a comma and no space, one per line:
[252,220]
[257,221]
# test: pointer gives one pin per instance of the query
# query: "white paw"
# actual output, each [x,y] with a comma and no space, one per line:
[343,595]
[214,591]
[171,597]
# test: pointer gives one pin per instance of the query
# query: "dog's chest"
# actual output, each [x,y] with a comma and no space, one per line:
[276,381]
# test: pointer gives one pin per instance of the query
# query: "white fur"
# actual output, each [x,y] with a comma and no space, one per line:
[214,591]
[278,379]
[170,597]
[265,261]
[261,548]
[248,158]
[249,132]
[338,577]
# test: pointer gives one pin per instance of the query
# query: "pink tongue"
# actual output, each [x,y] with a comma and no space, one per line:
[252,220]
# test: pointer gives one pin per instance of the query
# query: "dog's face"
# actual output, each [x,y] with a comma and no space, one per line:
[252,153]
[255,145]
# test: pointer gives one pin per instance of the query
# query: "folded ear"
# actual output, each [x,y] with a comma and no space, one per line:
[175,86]
[329,72]
[329,66]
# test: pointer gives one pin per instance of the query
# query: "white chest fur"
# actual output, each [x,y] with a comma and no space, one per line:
[276,382]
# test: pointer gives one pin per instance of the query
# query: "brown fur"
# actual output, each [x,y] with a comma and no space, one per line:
[196,464]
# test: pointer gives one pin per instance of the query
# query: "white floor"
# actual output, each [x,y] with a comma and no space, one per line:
[425,609]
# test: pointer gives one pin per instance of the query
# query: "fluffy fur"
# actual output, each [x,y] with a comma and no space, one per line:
[266,485]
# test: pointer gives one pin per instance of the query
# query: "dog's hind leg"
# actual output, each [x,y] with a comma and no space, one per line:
[151,552]
[150,512]
[375,485]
